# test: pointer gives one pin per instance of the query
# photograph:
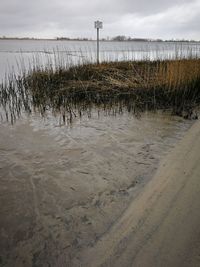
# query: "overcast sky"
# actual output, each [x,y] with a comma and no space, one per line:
[164,19]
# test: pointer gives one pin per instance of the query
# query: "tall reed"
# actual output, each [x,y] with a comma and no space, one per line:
[71,90]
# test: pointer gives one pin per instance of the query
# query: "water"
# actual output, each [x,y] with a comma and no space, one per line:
[18,54]
[61,188]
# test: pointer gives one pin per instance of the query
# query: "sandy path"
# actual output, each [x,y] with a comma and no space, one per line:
[161,226]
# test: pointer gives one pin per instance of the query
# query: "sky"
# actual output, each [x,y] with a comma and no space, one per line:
[165,19]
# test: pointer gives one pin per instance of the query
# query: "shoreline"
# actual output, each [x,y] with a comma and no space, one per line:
[66,39]
[160,227]
[63,188]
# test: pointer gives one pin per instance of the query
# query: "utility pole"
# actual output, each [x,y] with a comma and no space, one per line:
[98,25]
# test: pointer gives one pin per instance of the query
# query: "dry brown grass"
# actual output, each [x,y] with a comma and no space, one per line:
[131,85]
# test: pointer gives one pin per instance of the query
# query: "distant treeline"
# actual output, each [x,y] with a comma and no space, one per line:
[122,38]
[23,38]
[118,38]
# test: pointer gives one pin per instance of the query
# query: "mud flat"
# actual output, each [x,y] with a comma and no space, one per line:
[83,195]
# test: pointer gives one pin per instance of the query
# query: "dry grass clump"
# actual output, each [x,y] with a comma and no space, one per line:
[129,85]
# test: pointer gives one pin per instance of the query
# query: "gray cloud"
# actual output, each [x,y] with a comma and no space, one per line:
[50,18]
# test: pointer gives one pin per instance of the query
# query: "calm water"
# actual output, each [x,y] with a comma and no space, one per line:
[18,54]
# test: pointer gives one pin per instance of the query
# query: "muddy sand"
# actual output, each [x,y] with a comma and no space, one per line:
[161,226]
[84,195]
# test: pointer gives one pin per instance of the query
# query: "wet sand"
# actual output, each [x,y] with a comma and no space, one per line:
[66,194]
[161,226]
